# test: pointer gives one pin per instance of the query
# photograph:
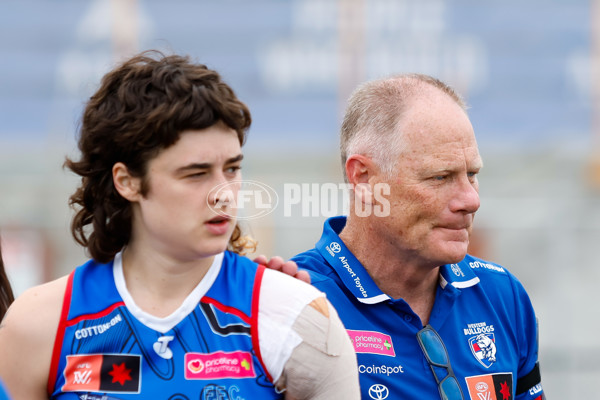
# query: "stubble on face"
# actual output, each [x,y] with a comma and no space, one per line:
[433,192]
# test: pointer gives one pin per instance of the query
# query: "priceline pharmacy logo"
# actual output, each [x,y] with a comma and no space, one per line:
[247,199]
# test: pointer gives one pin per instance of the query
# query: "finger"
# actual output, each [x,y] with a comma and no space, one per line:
[289,268]
[261,259]
[276,263]
[303,276]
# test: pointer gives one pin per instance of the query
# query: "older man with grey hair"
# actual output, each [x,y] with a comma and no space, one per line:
[417,306]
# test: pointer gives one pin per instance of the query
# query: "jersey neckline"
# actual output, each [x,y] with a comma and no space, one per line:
[167,323]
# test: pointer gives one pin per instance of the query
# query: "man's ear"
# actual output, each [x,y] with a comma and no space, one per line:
[359,170]
[127,185]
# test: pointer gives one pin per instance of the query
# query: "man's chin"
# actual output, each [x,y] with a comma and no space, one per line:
[454,253]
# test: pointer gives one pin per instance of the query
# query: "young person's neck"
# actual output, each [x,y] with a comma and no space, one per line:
[158,283]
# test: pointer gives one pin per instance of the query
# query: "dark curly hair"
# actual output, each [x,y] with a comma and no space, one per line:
[141,108]
[6,293]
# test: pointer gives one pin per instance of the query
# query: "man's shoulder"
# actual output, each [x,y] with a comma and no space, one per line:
[319,269]
[309,259]
[324,277]
[493,277]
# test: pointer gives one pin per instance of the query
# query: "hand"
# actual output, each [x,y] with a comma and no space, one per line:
[287,267]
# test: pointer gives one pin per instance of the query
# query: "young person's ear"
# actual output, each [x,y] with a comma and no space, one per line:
[127,185]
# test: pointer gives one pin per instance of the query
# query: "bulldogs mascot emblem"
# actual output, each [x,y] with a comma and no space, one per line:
[483,347]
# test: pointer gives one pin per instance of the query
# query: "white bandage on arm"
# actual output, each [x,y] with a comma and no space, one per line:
[323,366]
[303,343]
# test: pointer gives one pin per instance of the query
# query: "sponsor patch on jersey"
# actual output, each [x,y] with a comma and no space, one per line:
[333,248]
[372,342]
[382,369]
[490,387]
[219,365]
[109,373]
[379,392]
[488,266]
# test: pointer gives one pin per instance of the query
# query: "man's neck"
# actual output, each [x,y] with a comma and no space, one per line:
[397,275]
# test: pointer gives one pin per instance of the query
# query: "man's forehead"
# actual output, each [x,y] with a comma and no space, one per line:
[443,157]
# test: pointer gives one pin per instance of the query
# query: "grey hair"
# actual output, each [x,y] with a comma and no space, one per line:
[374,111]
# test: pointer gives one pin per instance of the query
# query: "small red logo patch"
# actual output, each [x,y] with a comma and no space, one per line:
[108,373]
[490,387]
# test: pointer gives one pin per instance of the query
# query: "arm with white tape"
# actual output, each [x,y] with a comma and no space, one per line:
[305,346]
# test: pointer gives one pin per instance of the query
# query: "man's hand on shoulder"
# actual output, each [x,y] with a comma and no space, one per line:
[287,267]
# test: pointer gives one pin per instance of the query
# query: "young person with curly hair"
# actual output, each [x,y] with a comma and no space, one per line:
[163,310]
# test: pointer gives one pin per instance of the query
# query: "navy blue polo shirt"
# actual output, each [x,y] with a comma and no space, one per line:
[481,311]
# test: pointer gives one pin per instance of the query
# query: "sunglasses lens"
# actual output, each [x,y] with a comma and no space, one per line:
[450,389]
[434,347]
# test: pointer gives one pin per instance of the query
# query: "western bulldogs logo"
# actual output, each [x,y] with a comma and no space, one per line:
[483,347]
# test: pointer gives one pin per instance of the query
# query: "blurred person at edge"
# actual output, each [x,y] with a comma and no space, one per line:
[163,310]
[6,299]
[6,292]
[426,318]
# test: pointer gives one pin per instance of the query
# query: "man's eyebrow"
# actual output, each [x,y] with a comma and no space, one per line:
[195,166]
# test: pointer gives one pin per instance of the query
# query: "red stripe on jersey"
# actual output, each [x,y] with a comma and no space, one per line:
[227,309]
[64,323]
[60,334]
[254,325]
[99,314]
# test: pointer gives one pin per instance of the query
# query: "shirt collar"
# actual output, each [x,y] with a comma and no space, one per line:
[356,278]
[460,275]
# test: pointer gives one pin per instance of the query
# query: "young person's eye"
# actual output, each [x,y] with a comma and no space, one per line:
[197,174]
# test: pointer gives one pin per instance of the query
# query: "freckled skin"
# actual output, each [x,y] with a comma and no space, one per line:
[433,197]
[433,189]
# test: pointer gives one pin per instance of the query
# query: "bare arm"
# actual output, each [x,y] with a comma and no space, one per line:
[27,335]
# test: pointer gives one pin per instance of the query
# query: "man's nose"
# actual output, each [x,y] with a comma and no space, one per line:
[467,197]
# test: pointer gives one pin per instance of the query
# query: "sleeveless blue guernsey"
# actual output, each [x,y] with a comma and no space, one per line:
[103,352]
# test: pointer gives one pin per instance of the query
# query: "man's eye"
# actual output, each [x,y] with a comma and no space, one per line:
[233,169]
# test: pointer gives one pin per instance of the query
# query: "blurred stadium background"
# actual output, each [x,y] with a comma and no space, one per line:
[529,71]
